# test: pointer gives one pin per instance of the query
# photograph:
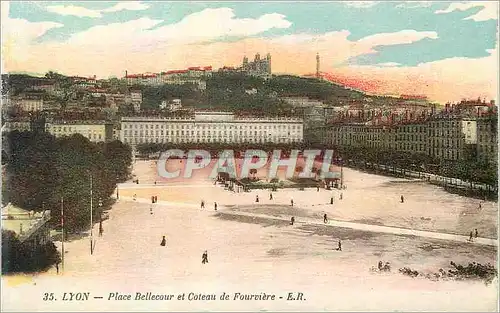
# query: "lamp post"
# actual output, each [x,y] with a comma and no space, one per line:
[100,217]
[117,191]
[341,173]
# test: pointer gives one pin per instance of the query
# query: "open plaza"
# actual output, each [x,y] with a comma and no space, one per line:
[253,249]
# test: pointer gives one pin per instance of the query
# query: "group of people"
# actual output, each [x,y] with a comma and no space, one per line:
[202,205]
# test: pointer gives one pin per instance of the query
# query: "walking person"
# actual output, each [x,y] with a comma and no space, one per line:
[402,199]
[271,196]
[215,206]
[341,194]
[476,233]
[257,198]
[57,267]
[292,220]
[163,242]
[291,202]
[317,188]
[202,204]
[325,218]
[204,257]
[101,230]
[151,211]
[339,246]
[470,236]
[480,206]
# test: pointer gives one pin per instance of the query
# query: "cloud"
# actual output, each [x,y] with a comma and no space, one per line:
[84,12]
[73,10]
[217,23]
[388,64]
[415,4]
[126,5]
[489,10]
[397,38]
[361,4]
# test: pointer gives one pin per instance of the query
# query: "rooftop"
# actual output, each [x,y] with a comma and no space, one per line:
[21,221]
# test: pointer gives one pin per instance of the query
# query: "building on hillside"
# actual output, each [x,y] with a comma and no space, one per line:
[33,123]
[84,82]
[172,105]
[301,101]
[95,131]
[32,229]
[192,75]
[19,124]
[220,127]
[47,85]
[258,67]
[31,104]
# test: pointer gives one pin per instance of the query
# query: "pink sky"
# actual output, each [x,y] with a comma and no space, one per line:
[109,50]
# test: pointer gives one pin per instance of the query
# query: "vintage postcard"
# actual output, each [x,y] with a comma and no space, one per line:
[249,156]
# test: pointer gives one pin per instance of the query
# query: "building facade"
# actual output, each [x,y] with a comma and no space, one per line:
[412,138]
[450,138]
[487,139]
[220,127]
[95,131]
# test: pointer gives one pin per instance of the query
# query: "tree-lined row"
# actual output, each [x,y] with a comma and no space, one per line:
[41,170]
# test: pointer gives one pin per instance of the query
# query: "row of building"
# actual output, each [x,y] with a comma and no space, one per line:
[260,67]
[222,127]
[192,75]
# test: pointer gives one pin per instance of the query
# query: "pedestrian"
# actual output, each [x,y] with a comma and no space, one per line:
[291,201]
[163,242]
[340,246]
[271,196]
[204,257]
[480,206]
[325,219]
[402,199]
[155,182]
[470,236]
[380,266]
[317,188]
[151,211]
[341,194]
[215,206]
[57,267]
[476,233]
[101,230]
[135,197]
[292,220]
[331,200]
[152,199]
[202,204]
[257,198]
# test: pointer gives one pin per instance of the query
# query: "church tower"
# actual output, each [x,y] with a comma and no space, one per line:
[317,66]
